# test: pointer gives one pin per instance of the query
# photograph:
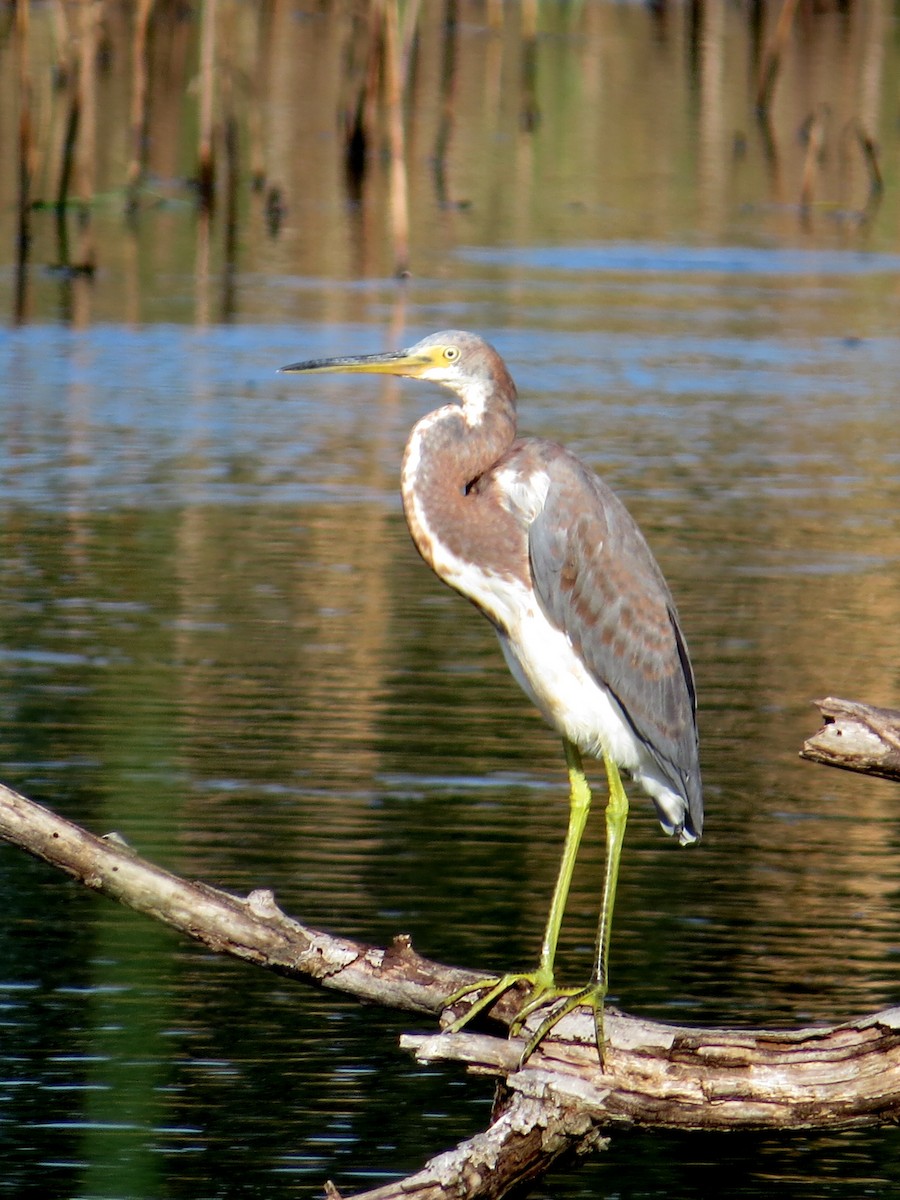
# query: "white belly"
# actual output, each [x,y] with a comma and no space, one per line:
[551,674]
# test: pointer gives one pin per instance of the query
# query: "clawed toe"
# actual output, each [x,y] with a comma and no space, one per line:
[543,993]
[493,988]
[566,1001]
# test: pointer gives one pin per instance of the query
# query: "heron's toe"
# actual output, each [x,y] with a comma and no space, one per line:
[565,1000]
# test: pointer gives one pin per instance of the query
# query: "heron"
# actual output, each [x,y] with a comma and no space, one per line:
[547,551]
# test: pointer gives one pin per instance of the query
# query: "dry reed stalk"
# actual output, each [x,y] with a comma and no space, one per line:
[257,93]
[815,141]
[358,111]
[771,63]
[206,167]
[86,151]
[408,27]
[139,93]
[231,158]
[448,99]
[64,70]
[869,149]
[399,186]
[530,113]
[85,148]
[26,157]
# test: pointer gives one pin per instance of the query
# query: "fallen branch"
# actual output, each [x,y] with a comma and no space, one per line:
[856,737]
[671,1077]
[254,929]
[655,1075]
[527,1137]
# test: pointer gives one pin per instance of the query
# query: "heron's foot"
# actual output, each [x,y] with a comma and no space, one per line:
[592,996]
[493,987]
[543,992]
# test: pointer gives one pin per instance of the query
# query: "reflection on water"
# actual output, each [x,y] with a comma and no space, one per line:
[217,639]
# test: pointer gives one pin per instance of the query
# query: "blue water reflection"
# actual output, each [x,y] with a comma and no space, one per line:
[665,258]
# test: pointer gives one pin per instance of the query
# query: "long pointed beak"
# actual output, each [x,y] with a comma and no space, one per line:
[401,362]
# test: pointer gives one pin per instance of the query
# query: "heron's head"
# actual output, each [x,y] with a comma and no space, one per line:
[460,361]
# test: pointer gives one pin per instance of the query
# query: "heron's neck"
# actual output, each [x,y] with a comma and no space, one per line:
[447,451]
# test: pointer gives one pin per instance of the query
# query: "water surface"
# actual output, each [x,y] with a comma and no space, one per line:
[217,639]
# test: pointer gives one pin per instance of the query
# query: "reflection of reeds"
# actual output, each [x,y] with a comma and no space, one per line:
[116,97]
[815,140]
[448,99]
[25,158]
[135,173]
[815,133]
[771,63]
[394,78]
[357,116]
[529,111]
[377,66]
[206,163]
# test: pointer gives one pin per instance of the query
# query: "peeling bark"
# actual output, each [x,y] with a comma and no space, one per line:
[673,1077]
[522,1143]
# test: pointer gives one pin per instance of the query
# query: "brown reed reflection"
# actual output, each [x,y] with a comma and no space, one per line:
[382,117]
[25,159]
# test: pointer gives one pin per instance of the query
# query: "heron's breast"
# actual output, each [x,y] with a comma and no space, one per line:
[468,538]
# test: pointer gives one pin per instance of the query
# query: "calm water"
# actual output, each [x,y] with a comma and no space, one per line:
[217,639]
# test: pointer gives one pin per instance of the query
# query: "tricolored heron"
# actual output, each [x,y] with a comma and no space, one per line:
[588,627]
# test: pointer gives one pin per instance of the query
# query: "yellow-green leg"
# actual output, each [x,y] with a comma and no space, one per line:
[541,980]
[579,807]
[594,995]
[616,820]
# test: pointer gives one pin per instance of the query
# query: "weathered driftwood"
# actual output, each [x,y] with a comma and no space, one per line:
[523,1141]
[856,737]
[655,1075]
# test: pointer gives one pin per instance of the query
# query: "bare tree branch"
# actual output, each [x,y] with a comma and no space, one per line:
[671,1076]
[527,1137]
[254,929]
[655,1075]
[856,737]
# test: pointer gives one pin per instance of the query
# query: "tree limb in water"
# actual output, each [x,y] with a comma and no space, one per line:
[655,1075]
[856,737]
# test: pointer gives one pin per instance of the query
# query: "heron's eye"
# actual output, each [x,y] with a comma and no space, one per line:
[451,354]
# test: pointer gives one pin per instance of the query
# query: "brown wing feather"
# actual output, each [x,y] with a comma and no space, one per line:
[598,581]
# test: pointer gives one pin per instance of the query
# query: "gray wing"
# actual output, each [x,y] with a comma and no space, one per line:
[598,581]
